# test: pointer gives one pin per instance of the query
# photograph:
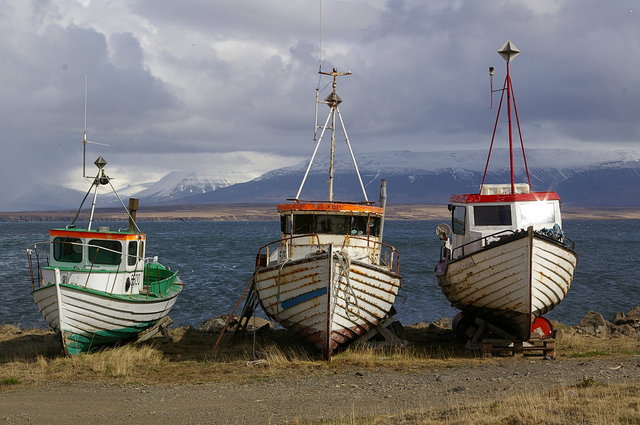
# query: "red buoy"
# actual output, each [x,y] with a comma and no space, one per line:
[542,328]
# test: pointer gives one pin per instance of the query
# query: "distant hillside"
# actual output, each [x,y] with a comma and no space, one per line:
[589,178]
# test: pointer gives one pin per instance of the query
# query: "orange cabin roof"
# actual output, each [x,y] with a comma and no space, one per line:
[84,233]
[330,207]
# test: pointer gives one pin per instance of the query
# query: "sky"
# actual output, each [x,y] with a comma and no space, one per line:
[229,86]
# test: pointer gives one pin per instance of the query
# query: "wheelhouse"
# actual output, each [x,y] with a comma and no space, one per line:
[330,219]
[100,249]
[495,211]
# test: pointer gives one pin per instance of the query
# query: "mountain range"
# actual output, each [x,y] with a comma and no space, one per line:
[585,178]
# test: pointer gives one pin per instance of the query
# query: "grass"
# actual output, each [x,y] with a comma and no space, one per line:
[35,356]
[583,404]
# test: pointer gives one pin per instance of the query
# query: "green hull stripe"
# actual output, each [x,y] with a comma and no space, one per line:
[76,343]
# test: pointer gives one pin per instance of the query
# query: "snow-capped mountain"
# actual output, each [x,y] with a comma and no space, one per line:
[592,178]
[597,178]
[180,184]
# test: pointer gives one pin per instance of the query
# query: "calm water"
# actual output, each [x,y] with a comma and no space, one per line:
[216,259]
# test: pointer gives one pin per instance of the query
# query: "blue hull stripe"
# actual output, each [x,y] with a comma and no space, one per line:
[302,298]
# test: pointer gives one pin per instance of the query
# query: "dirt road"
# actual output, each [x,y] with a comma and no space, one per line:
[320,394]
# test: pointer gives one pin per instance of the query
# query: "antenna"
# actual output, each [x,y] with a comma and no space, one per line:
[84,133]
[491,72]
[320,55]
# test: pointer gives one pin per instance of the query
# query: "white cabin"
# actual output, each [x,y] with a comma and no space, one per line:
[113,259]
[478,219]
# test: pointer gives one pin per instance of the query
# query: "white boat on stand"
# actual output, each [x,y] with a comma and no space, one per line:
[95,286]
[329,278]
[505,259]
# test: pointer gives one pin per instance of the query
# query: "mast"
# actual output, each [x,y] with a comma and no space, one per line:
[508,52]
[332,100]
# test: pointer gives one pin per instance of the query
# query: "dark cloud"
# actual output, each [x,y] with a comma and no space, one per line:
[168,78]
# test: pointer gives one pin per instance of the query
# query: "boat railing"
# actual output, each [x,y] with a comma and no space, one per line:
[36,261]
[484,239]
[35,264]
[385,255]
[264,252]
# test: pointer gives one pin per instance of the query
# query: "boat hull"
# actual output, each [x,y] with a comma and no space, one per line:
[511,282]
[325,298]
[89,318]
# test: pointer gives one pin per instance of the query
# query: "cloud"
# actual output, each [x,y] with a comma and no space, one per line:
[202,79]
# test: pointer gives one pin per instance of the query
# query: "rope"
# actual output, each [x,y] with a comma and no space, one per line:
[278,281]
[345,266]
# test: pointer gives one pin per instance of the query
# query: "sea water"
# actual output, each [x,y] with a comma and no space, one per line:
[216,259]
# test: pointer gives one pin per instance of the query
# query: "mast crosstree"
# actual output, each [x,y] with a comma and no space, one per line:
[332,100]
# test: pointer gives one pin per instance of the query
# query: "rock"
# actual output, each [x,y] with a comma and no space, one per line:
[444,323]
[10,329]
[634,313]
[619,318]
[593,323]
[443,378]
[624,329]
[216,324]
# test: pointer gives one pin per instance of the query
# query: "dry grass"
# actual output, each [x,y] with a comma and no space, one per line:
[587,405]
[35,356]
[570,343]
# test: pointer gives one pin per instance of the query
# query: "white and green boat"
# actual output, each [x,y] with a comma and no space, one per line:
[96,286]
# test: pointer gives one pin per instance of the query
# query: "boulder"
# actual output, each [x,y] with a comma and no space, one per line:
[216,324]
[444,323]
[634,313]
[619,318]
[594,323]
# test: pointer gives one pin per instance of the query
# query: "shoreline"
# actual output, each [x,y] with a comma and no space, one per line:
[267,212]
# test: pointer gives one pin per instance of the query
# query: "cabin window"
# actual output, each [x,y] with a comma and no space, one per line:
[132,255]
[374,226]
[332,224]
[492,215]
[67,249]
[536,213]
[141,250]
[105,252]
[458,219]
[303,224]
[285,224]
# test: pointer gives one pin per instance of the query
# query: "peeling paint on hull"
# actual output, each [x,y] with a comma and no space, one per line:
[510,283]
[319,299]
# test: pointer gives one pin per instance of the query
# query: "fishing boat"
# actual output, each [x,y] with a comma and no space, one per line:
[329,278]
[95,286]
[505,259]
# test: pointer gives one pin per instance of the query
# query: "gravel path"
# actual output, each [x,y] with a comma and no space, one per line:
[315,396]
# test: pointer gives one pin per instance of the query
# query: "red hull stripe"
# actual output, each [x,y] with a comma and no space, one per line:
[330,207]
[474,198]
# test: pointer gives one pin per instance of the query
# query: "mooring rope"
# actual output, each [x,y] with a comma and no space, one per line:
[350,296]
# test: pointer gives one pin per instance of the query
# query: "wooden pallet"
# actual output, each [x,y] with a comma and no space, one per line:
[541,347]
[506,343]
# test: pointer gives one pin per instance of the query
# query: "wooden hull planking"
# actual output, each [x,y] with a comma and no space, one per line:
[325,298]
[510,283]
[91,318]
